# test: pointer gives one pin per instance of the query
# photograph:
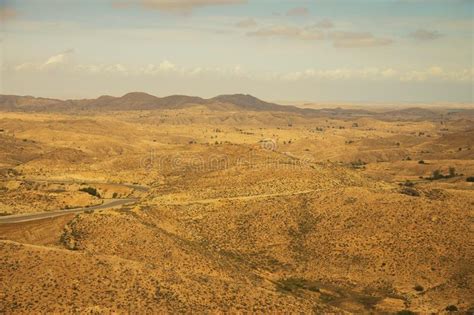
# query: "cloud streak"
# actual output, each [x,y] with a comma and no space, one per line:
[339,39]
[289,32]
[175,6]
[343,39]
[299,11]
[425,35]
[247,23]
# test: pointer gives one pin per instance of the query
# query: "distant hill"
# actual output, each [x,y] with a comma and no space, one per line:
[412,113]
[144,101]
[231,102]
[14,102]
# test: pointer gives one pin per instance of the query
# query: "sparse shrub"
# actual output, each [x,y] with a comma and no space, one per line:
[419,288]
[451,308]
[421,162]
[358,164]
[294,284]
[470,179]
[436,174]
[408,183]
[452,172]
[409,191]
[91,191]
[405,312]
[114,195]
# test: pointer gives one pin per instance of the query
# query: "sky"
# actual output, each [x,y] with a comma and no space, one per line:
[292,50]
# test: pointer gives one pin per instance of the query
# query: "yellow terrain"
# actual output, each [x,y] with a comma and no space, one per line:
[236,211]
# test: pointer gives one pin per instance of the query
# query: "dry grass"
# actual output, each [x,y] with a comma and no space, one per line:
[229,225]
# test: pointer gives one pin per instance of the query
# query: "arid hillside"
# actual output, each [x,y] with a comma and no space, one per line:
[233,205]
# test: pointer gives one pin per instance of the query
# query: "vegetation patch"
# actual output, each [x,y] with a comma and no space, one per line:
[438,175]
[292,285]
[91,191]
[410,191]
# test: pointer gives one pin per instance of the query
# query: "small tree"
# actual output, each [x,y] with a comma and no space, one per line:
[452,172]
[436,174]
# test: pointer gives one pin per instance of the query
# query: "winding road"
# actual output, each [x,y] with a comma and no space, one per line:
[108,203]
[25,217]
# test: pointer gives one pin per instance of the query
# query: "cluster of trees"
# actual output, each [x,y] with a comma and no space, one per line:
[438,175]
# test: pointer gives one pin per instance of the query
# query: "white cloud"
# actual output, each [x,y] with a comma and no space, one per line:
[26,66]
[438,73]
[389,73]
[168,68]
[52,62]
[435,71]
[373,73]
[57,60]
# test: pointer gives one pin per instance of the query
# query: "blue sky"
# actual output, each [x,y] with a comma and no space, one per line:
[312,50]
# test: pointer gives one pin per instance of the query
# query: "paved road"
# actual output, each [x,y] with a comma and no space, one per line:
[18,218]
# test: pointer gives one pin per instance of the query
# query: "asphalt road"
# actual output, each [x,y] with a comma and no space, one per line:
[18,218]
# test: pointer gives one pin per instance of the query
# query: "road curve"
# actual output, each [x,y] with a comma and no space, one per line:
[18,218]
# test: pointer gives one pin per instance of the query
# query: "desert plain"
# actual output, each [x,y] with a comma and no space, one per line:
[139,204]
